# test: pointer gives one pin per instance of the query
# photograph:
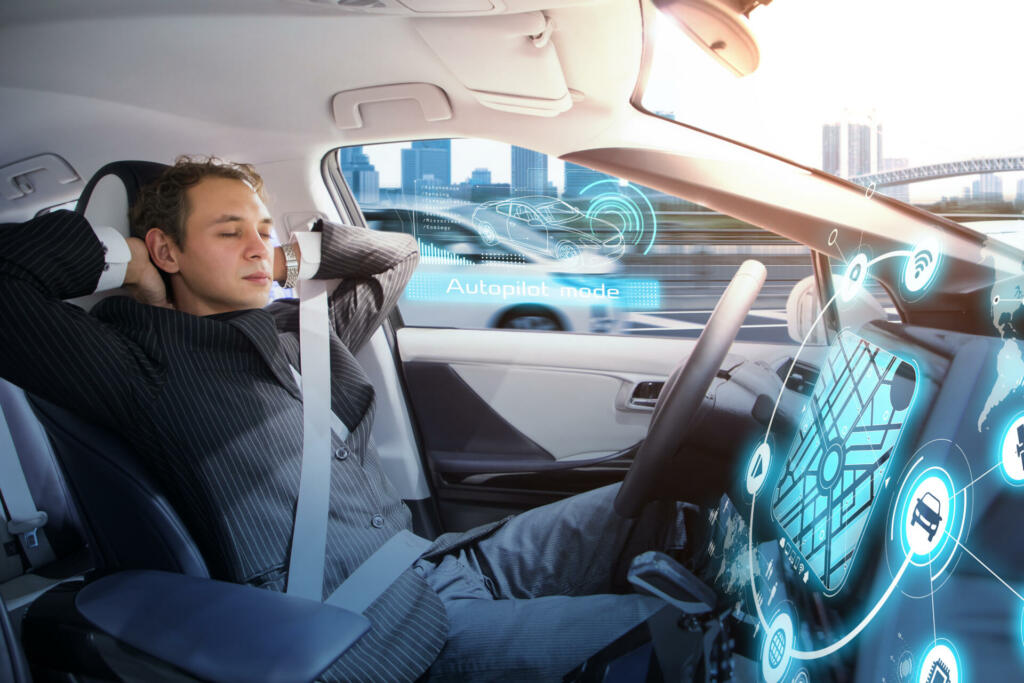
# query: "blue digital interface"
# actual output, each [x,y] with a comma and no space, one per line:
[482,286]
[839,459]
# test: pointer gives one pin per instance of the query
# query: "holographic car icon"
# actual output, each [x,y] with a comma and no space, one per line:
[548,226]
[927,515]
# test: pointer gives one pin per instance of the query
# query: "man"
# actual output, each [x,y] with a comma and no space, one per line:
[197,376]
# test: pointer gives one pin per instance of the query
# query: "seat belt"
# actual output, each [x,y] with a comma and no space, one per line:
[22,520]
[309,534]
[377,572]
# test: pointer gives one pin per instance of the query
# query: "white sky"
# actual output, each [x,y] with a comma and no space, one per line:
[943,77]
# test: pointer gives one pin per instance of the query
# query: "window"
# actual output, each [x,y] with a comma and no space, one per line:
[512,238]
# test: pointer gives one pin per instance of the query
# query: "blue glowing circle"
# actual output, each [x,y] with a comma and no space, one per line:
[636,214]
[940,663]
[831,467]
[913,515]
[777,651]
[921,266]
[757,469]
[1011,452]
[853,278]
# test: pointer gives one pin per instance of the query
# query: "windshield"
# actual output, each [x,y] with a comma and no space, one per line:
[920,99]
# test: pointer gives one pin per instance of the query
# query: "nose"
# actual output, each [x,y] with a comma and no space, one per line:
[256,248]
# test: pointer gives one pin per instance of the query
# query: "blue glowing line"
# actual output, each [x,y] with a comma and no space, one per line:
[998,578]
[834,647]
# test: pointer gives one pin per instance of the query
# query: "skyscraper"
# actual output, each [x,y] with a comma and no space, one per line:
[529,172]
[851,147]
[426,158]
[1018,201]
[988,187]
[362,176]
[858,140]
[830,146]
[480,176]
[578,177]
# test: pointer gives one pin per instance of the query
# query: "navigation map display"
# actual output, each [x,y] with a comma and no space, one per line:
[839,460]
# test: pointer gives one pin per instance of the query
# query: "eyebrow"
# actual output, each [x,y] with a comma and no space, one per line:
[230,218]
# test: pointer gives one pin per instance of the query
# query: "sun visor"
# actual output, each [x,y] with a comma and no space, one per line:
[508,61]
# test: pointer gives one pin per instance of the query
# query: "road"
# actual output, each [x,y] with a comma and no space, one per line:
[691,287]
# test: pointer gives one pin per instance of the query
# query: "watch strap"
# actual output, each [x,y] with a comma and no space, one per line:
[292,264]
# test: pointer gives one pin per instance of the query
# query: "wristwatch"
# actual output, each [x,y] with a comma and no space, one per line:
[292,264]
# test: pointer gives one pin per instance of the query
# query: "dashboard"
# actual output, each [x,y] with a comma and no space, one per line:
[873,533]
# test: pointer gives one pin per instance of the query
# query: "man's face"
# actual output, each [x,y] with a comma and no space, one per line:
[227,261]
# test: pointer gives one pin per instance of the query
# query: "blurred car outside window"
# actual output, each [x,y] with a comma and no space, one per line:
[512,238]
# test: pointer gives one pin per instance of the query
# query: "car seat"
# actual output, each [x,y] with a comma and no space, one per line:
[120,622]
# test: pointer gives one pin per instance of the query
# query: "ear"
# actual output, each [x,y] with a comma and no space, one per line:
[162,250]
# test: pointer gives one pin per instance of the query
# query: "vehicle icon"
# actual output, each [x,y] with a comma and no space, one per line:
[927,515]
[549,226]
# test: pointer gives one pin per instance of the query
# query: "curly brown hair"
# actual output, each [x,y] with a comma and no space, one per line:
[163,203]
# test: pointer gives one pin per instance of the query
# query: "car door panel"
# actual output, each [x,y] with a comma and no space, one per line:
[511,419]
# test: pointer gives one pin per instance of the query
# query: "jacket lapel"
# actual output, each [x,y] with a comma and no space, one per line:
[259,328]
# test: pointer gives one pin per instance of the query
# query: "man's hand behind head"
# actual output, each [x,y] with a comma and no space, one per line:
[143,279]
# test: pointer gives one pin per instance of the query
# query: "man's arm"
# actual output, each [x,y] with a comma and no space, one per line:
[54,349]
[374,268]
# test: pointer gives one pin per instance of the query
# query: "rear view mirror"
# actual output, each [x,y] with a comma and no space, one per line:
[721,28]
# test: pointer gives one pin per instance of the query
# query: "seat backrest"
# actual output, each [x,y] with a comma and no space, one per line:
[65,529]
[121,512]
[131,524]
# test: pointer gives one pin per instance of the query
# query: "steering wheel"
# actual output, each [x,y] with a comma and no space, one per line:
[684,391]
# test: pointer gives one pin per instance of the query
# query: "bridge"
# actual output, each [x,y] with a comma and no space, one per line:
[945,170]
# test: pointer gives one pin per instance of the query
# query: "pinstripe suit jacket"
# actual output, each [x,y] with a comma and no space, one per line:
[212,407]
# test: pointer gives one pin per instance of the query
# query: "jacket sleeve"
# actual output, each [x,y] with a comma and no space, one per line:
[54,349]
[374,268]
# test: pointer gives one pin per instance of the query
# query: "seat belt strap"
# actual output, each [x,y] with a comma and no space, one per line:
[24,521]
[377,572]
[309,534]
[337,426]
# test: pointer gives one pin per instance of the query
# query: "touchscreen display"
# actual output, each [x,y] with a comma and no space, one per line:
[838,462]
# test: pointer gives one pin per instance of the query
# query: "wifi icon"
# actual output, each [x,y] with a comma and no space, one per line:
[922,260]
[921,267]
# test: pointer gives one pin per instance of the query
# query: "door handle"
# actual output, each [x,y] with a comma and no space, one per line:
[645,395]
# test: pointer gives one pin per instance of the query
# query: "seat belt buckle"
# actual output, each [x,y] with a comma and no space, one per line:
[31,539]
[27,528]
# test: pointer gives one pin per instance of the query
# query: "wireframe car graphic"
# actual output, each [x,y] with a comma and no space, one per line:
[549,226]
[447,240]
[927,515]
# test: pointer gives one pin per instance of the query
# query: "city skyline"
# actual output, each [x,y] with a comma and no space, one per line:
[493,168]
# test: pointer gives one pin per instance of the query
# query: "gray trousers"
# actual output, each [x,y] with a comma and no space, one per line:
[535,599]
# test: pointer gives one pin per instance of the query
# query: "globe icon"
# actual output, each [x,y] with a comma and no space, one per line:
[776,649]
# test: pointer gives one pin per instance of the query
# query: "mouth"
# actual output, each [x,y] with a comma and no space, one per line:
[258,278]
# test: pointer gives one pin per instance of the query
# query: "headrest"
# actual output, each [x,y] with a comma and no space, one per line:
[112,190]
[105,202]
